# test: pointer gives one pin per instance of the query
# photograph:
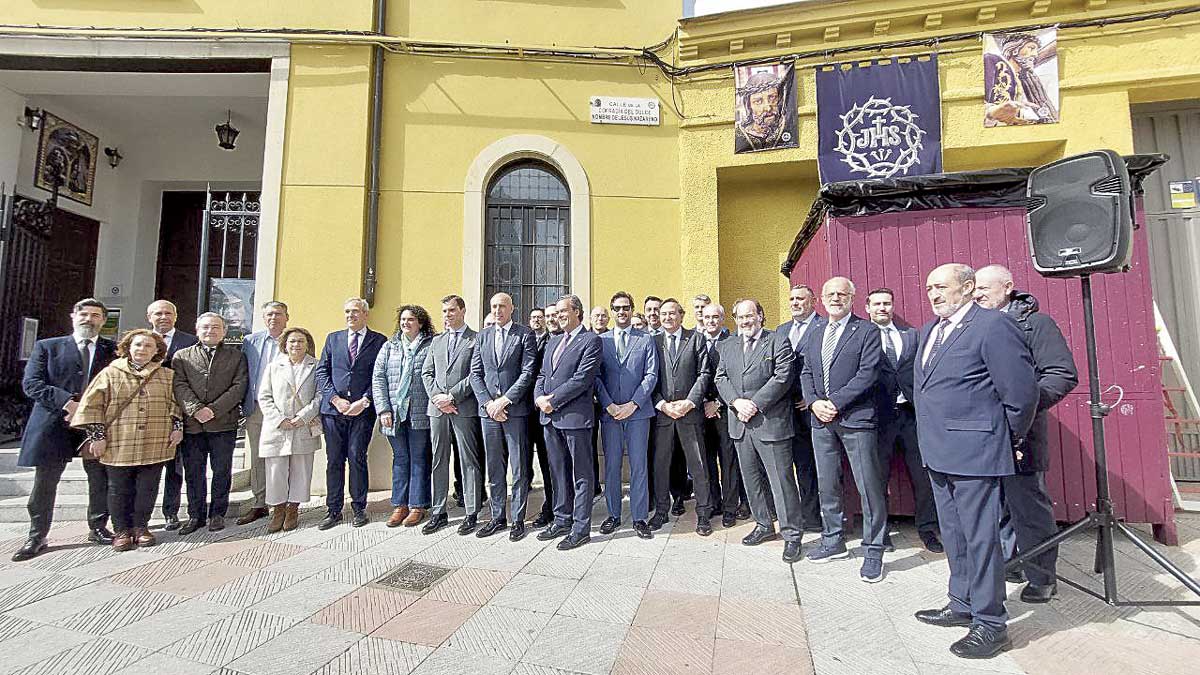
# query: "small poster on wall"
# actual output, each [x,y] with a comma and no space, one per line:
[112,323]
[1020,78]
[765,108]
[66,158]
[234,300]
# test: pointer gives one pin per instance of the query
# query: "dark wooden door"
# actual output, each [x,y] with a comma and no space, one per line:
[179,253]
[71,262]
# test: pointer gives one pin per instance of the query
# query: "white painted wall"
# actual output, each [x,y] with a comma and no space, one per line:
[12,116]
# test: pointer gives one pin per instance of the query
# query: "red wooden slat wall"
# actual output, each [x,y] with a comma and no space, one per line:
[898,250]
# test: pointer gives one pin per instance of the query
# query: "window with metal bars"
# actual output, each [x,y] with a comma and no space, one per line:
[527,236]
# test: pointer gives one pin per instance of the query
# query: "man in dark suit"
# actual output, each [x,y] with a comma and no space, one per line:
[726,487]
[55,376]
[624,387]
[502,374]
[841,366]
[802,302]
[1028,510]
[343,377]
[210,383]
[976,395]
[563,394]
[453,416]
[754,379]
[537,438]
[684,379]
[161,315]
[897,417]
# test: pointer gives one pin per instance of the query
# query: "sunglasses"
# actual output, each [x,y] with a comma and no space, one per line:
[622,308]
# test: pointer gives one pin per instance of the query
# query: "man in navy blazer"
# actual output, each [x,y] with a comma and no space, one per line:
[841,367]
[343,377]
[162,315]
[897,417]
[976,395]
[624,386]
[55,376]
[260,347]
[563,394]
[802,301]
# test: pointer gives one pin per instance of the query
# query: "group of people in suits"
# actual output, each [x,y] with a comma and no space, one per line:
[758,423]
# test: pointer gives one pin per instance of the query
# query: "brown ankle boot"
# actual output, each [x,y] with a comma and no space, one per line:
[124,541]
[145,537]
[277,515]
[398,516]
[415,516]
[291,516]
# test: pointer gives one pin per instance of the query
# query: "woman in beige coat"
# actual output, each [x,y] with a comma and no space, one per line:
[133,424]
[291,431]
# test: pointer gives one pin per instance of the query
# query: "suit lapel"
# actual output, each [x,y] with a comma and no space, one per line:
[948,340]
[751,357]
[847,333]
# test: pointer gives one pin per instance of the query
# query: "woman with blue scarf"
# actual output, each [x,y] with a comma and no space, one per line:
[401,403]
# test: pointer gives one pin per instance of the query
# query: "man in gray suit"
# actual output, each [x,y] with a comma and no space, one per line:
[260,347]
[684,378]
[502,374]
[754,379]
[453,412]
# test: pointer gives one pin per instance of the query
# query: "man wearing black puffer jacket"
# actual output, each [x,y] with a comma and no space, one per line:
[1028,513]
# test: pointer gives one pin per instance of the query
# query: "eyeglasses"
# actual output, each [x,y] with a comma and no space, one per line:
[837,294]
[622,308]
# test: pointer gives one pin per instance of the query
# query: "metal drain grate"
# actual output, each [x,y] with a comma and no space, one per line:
[414,576]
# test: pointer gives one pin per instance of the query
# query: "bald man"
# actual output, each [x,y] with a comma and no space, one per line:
[162,315]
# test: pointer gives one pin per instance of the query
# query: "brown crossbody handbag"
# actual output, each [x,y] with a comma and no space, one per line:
[85,448]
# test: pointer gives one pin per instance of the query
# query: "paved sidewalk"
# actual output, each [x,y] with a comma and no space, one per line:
[245,602]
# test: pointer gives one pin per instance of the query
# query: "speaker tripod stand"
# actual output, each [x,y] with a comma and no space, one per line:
[1102,519]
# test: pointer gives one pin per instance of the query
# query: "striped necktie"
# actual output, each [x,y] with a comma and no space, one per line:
[937,340]
[827,347]
[354,348]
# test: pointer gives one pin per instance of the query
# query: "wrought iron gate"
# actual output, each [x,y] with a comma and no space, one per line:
[230,222]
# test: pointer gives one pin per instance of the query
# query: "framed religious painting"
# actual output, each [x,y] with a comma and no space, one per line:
[66,158]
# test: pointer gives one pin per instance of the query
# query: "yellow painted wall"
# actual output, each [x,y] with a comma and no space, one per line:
[179,14]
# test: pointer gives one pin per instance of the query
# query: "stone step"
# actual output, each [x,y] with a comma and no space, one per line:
[17,481]
[70,507]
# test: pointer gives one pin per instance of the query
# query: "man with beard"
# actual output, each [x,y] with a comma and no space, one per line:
[1015,93]
[764,125]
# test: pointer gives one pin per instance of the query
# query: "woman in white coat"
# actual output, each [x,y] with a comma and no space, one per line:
[291,431]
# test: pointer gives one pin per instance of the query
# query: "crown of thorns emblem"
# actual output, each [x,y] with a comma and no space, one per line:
[880,139]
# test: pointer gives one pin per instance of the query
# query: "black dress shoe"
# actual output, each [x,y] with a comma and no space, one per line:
[491,527]
[981,643]
[658,520]
[932,543]
[544,518]
[573,541]
[360,518]
[467,526]
[330,520]
[458,499]
[172,523]
[191,526]
[100,535]
[791,552]
[1039,594]
[553,532]
[814,529]
[743,512]
[32,547]
[610,525]
[1016,576]
[758,535]
[516,532]
[943,617]
[216,523]
[703,527]
[435,523]
[642,529]
[728,520]
[677,506]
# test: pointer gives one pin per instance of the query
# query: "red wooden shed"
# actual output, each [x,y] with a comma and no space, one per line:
[892,233]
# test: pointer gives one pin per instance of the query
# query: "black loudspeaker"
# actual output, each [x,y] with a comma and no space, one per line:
[1081,215]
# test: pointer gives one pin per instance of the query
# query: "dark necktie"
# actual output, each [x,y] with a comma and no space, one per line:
[937,340]
[85,360]
[674,349]
[453,343]
[889,348]
[749,345]
[353,348]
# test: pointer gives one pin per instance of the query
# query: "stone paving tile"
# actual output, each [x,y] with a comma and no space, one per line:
[222,549]
[365,609]
[98,657]
[17,573]
[682,575]
[360,569]
[426,622]
[577,645]
[158,571]
[38,644]
[376,656]
[759,621]
[108,566]
[65,559]
[202,580]
[302,648]
[164,664]
[610,603]
[356,540]
[469,586]
[303,599]
[263,556]
[172,624]
[649,650]
[447,661]
[58,607]
[496,631]
[629,545]
[12,626]
[250,589]
[454,550]
[534,669]
[552,562]
[37,588]
[731,657]
[620,569]
[309,562]
[534,593]
[680,612]
[508,556]
[230,638]
[120,611]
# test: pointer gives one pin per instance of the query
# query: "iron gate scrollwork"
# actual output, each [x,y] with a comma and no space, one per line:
[230,222]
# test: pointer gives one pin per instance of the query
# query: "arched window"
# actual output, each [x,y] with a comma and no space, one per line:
[527,236]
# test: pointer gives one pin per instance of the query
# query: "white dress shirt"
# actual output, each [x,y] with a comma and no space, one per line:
[501,333]
[891,332]
[954,320]
[799,329]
